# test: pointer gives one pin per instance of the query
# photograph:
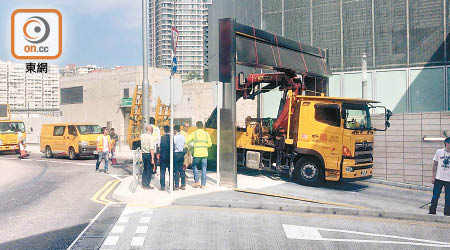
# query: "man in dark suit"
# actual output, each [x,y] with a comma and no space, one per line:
[164,158]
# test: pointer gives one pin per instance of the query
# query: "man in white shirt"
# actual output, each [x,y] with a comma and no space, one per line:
[103,148]
[148,156]
[441,177]
[178,170]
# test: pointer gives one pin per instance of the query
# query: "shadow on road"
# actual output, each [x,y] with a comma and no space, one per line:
[57,239]
[341,186]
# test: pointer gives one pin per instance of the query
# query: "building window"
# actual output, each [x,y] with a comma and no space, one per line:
[126,93]
[72,95]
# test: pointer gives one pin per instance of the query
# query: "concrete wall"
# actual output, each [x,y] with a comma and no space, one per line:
[102,92]
[400,153]
[199,99]
[35,124]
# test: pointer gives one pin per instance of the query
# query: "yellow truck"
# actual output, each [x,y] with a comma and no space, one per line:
[69,139]
[313,138]
[10,131]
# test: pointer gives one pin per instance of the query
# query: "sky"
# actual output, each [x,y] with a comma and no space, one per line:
[106,33]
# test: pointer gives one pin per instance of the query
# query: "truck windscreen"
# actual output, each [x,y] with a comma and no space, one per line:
[11,127]
[356,116]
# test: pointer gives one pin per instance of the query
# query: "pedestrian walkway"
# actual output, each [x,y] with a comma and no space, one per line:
[156,197]
[130,229]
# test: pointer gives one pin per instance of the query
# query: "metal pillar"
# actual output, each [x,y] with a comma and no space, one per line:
[227,122]
[145,85]
[364,75]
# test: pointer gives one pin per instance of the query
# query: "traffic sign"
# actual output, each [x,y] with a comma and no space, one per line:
[174,65]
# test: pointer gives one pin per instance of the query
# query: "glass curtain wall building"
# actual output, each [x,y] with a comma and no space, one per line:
[190,18]
[405,40]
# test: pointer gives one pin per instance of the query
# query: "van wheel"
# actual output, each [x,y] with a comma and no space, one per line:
[48,152]
[72,155]
[308,171]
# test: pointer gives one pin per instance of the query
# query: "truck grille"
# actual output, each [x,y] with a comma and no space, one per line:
[363,152]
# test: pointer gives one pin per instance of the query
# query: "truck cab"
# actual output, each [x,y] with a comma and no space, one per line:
[9,135]
[11,131]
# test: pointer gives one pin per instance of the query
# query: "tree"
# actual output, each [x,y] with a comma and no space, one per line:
[193,76]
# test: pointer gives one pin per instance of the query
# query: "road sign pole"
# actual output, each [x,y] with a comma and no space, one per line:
[171,131]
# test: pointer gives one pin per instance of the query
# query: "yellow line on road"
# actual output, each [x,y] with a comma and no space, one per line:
[94,197]
[111,187]
[299,199]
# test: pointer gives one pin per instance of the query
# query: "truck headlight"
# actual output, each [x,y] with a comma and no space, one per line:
[1,142]
[349,169]
[83,143]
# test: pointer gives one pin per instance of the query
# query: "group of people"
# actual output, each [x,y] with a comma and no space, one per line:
[186,147]
[106,146]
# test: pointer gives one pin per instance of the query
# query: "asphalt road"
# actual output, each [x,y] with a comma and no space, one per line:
[46,203]
[187,227]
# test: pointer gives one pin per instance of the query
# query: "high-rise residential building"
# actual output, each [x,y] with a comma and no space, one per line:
[189,17]
[24,90]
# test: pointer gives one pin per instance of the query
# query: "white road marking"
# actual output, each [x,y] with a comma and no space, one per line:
[131,210]
[86,164]
[111,241]
[137,241]
[123,219]
[117,229]
[145,220]
[300,232]
[148,211]
[309,233]
[141,229]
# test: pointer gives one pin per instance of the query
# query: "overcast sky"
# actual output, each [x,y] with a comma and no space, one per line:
[102,32]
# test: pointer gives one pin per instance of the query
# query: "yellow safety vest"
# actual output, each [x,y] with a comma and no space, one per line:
[100,143]
[202,141]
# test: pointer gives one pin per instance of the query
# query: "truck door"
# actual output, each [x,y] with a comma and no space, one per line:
[70,139]
[327,133]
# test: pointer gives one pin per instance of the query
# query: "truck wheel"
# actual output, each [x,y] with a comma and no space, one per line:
[72,155]
[308,171]
[48,152]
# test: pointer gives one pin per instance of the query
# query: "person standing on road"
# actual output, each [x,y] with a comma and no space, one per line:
[156,138]
[148,156]
[103,149]
[164,157]
[187,150]
[202,141]
[441,177]
[115,140]
[178,141]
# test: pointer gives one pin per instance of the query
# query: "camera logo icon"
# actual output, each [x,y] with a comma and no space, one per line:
[36,34]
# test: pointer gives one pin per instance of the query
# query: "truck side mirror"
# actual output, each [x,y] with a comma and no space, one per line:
[388,114]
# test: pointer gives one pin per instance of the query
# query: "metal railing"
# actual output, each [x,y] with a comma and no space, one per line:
[137,169]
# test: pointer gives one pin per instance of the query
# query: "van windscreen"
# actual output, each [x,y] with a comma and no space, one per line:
[89,129]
